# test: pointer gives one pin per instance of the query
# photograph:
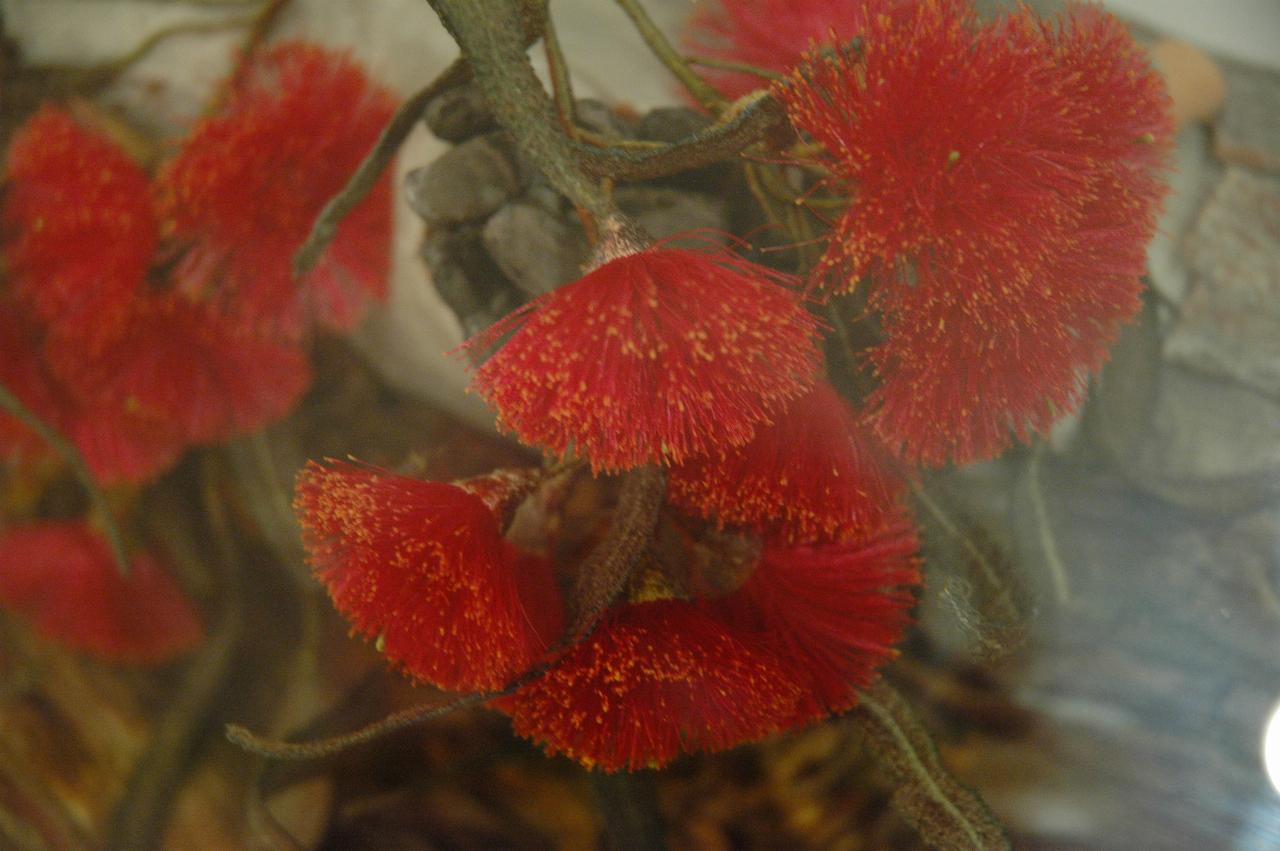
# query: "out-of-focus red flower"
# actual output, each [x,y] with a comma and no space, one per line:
[1004,182]
[182,363]
[120,444]
[79,227]
[654,357]
[832,612]
[119,441]
[654,680]
[423,568]
[814,475]
[774,34]
[61,576]
[243,192]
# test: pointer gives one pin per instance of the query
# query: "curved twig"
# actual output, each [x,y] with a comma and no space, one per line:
[71,455]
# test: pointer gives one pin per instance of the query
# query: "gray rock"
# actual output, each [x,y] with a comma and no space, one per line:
[1213,445]
[663,212]
[1229,324]
[466,277]
[465,183]
[1195,172]
[1248,131]
[459,113]
[670,124]
[538,250]
[597,117]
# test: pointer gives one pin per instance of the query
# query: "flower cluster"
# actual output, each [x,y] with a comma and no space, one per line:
[144,315]
[1001,180]
[703,364]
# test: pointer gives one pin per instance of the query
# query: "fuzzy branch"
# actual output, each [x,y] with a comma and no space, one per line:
[488,32]
[946,814]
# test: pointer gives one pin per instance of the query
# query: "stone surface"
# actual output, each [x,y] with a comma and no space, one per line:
[1229,324]
[538,250]
[663,211]
[459,113]
[1195,173]
[598,117]
[466,277]
[465,183]
[1248,131]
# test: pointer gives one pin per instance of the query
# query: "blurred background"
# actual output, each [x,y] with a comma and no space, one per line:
[1130,697]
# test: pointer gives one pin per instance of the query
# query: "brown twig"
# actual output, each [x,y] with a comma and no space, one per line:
[73,459]
[702,91]
[276,749]
[370,170]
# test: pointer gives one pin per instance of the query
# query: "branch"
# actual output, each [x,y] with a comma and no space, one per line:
[487,31]
[73,459]
[701,90]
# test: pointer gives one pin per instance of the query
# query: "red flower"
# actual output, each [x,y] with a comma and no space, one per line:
[119,442]
[422,566]
[812,476]
[653,357]
[654,680]
[79,228]
[248,184]
[1004,186]
[774,34]
[183,364]
[832,613]
[61,576]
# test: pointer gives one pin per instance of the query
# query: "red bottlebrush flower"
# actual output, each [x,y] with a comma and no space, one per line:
[653,680]
[249,182]
[79,227]
[61,576]
[181,363]
[1004,182]
[832,613]
[653,357]
[812,476]
[774,34]
[422,567]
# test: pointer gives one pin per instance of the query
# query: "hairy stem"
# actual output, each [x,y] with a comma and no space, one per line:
[605,572]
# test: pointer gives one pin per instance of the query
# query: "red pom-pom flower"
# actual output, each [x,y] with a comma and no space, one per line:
[182,363]
[653,357]
[653,680]
[62,577]
[832,612]
[249,182]
[813,475]
[774,34]
[79,227]
[423,567]
[1004,184]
